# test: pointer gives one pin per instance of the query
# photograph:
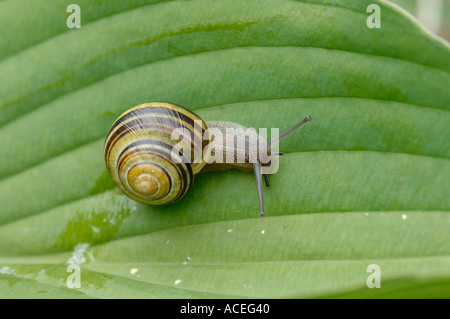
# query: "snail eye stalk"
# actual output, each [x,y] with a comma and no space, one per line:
[257,170]
[288,131]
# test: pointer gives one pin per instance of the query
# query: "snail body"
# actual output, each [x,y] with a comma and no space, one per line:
[150,166]
[231,155]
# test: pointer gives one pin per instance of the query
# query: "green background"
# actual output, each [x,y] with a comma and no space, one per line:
[412,6]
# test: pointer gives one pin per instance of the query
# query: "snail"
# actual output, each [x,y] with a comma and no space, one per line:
[150,166]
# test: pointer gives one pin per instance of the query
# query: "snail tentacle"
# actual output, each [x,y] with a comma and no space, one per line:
[257,169]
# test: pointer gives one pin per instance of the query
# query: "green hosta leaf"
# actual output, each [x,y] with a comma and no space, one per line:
[366,182]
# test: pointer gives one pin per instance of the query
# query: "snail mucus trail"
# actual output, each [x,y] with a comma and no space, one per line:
[140,152]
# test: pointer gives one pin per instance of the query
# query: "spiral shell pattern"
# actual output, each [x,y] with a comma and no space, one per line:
[139,152]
